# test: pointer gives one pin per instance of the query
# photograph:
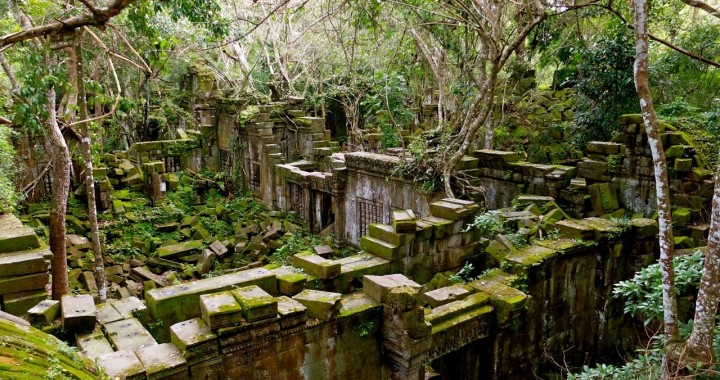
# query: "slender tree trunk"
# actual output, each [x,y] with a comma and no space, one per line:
[662,190]
[700,343]
[58,207]
[86,148]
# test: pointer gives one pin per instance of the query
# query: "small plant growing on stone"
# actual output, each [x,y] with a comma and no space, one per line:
[487,224]
[366,329]
[463,275]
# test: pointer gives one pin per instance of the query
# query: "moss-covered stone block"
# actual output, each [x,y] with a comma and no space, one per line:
[193,338]
[178,303]
[23,262]
[122,365]
[25,283]
[467,162]
[682,216]
[604,198]
[531,256]
[316,265]
[44,312]
[379,287]
[442,296]
[14,236]
[256,303]
[678,151]
[404,221]
[448,210]
[684,242]
[128,334]
[220,310]
[451,310]
[320,305]
[504,299]
[683,164]
[180,249]
[380,248]
[163,361]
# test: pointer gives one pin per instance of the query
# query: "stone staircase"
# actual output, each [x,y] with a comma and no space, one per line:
[23,267]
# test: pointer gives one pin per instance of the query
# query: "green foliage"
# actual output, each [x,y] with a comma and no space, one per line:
[298,242]
[366,328]
[642,293]
[605,85]
[8,168]
[463,275]
[487,224]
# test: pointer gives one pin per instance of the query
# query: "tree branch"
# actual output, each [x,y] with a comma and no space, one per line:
[68,24]
[704,6]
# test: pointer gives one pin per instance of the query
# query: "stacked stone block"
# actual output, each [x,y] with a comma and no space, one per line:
[23,267]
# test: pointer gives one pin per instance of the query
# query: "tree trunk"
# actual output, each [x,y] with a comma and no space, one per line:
[670,323]
[700,343]
[58,207]
[86,147]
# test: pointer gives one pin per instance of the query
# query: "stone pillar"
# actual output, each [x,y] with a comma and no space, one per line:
[406,335]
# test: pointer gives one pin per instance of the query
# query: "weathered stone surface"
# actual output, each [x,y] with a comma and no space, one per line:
[193,338]
[448,210]
[574,230]
[682,216]
[256,303]
[379,287]
[128,334]
[122,365]
[44,312]
[219,248]
[14,236]
[404,221]
[447,312]
[386,233]
[106,313]
[78,312]
[644,228]
[220,310]
[530,256]
[604,198]
[504,299]
[163,361]
[605,147]
[93,344]
[320,305]
[380,248]
[206,261]
[445,295]
[291,312]
[19,303]
[316,265]
[178,303]
[180,249]
[131,307]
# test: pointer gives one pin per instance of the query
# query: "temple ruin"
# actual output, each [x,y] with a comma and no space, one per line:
[380,312]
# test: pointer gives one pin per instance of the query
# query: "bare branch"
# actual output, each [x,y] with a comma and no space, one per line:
[704,6]
[68,24]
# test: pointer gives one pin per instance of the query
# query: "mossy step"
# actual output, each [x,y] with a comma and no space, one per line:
[220,310]
[357,266]
[403,221]
[128,334]
[320,305]
[495,158]
[193,338]
[379,287]
[316,265]
[163,361]
[530,256]
[454,309]
[93,344]
[386,233]
[291,280]
[380,248]
[24,262]
[441,226]
[606,148]
[448,210]
[256,303]
[467,162]
[178,303]
[14,236]
[356,303]
[180,249]
[504,298]
[442,296]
